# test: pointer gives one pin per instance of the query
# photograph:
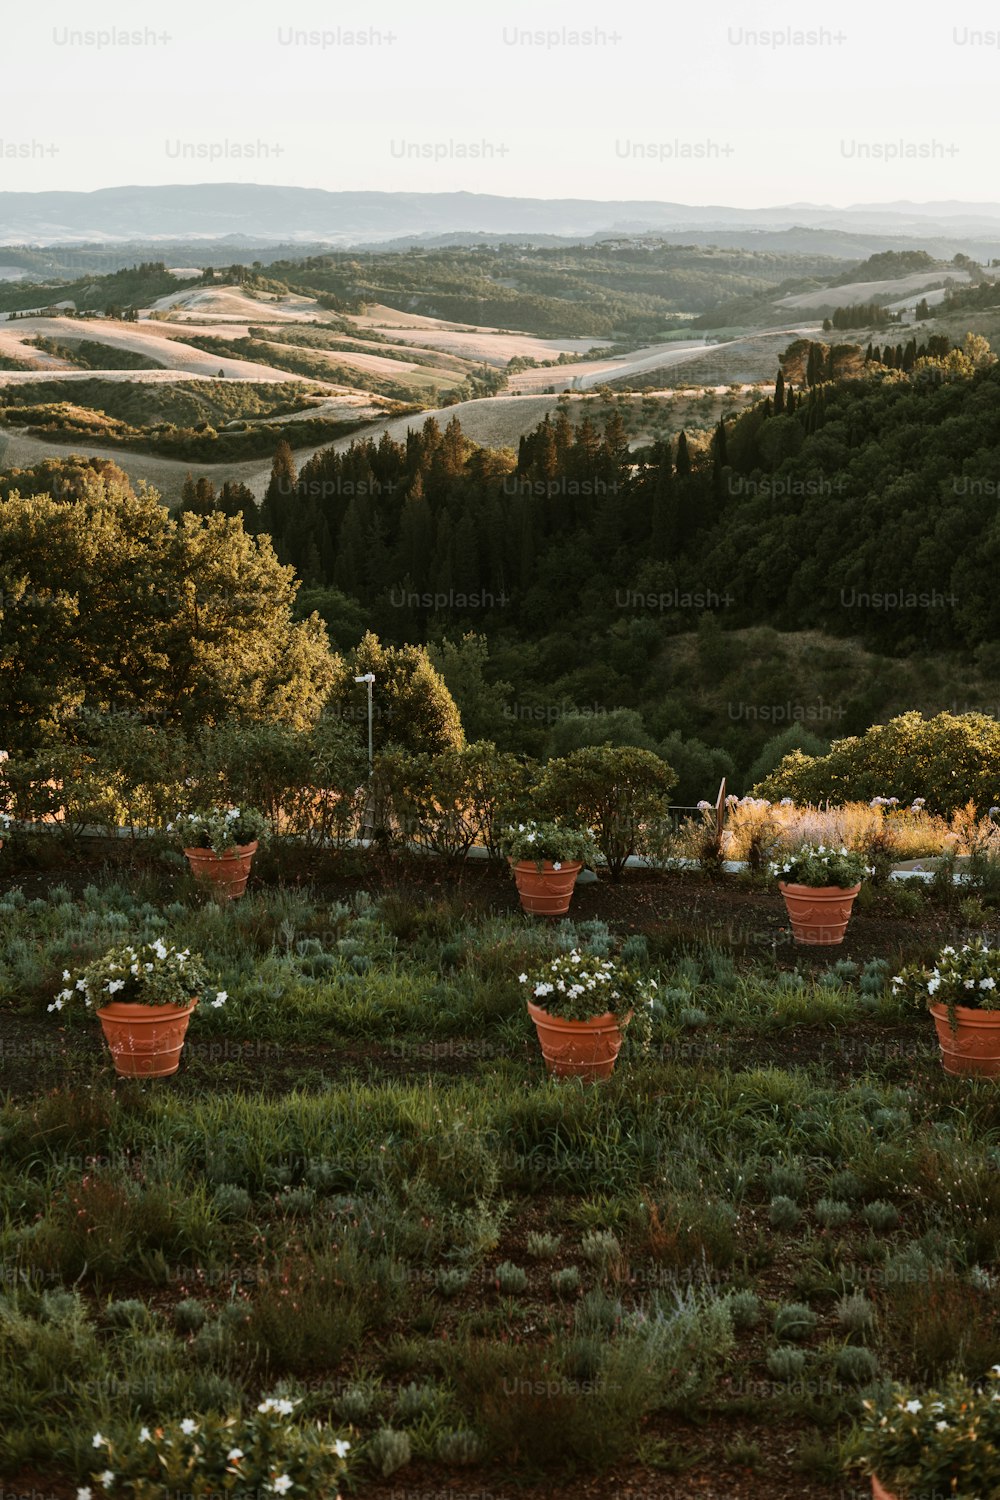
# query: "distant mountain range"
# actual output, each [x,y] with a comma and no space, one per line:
[249,215]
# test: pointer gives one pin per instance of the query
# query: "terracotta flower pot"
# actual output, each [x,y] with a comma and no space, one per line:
[973,1048]
[879,1491]
[546,892]
[819,913]
[579,1049]
[228,872]
[145,1040]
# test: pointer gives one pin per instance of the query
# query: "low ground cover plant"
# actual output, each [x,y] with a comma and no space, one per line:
[362,1195]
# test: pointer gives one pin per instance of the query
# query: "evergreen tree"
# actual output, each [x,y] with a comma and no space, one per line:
[779,393]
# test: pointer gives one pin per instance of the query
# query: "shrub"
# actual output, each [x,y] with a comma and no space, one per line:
[919,1442]
[389,1450]
[459,1446]
[600,1248]
[232,1202]
[555,842]
[794,1320]
[783,1213]
[968,977]
[855,1364]
[833,1213]
[948,760]
[855,1312]
[543,1246]
[219,828]
[744,1308]
[786,1363]
[356,1402]
[414,1401]
[616,791]
[880,1215]
[450,1280]
[449,801]
[129,1313]
[597,1315]
[413,708]
[786,1180]
[565,1283]
[189,1315]
[192,1456]
[510,1279]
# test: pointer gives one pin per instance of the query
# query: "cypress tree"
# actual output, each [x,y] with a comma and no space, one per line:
[779,394]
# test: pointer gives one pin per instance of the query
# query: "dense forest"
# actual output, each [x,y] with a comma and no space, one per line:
[810,498]
[584,589]
[820,559]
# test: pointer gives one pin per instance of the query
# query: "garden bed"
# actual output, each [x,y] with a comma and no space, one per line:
[369,1116]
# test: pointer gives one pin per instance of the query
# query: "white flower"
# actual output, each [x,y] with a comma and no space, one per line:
[522,978]
[341,1448]
[66,973]
[114,985]
[99,1440]
[81,984]
[987,984]
[188,1426]
[85,1493]
[145,1436]
[941,1426]
[914,1406]
[282,1485]
[280,1404]
[107,1478]
[556,864]
[234,1455]
[221,998]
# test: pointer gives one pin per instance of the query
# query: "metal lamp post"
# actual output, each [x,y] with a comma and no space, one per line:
[368,821]
[369,677]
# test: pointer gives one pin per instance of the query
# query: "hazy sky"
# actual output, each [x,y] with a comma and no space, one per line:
[836,105]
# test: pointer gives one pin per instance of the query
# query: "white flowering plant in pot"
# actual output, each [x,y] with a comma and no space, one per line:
[220,828]
[578,986]
[968,976]
[935,1443]
[817,865]
[203,1457]
[154,973]
[553,843]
